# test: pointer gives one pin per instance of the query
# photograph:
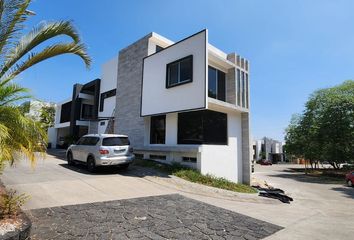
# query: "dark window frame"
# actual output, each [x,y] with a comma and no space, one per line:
[104,95]
[219,73]
[204,131]
[158,117]
[168,85]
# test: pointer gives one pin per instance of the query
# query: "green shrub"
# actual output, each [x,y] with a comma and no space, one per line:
[195,176]
[10,203]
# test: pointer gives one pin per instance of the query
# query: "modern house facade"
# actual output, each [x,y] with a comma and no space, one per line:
[268,149]
[89,110]
[185,102]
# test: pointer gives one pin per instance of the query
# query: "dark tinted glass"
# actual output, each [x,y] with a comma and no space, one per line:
[65,112]
[216,84]
[212,82]
[173,74]
[80,141]
[87,111]
[179,72]
[92,141]
[185,69]
[190,128]
[202,127]
[221,86]
[115,141]
[158,129]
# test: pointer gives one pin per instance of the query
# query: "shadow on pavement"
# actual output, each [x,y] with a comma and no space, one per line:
[57,153]
[132,171]
[302,177]
[347,191]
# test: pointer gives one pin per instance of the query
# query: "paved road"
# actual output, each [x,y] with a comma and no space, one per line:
[319,211]
[159,217]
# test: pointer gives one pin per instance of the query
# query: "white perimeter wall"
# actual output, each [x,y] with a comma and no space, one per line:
[156,98]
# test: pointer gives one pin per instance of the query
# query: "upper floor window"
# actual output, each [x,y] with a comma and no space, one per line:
[179,72]
[216,84]
[87,111]
[158,129]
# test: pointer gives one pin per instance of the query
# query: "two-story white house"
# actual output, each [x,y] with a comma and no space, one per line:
[184,102]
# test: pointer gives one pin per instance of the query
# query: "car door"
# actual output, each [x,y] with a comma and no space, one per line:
[77,149]
[88,147]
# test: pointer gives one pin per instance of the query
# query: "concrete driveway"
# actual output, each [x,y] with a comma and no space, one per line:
[319,211]
[53,183]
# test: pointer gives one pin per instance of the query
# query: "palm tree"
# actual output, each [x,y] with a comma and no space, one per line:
[19,134]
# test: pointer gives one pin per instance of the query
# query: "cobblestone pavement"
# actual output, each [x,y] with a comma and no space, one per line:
[158,217]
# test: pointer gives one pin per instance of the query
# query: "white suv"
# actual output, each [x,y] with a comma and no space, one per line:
[101,150]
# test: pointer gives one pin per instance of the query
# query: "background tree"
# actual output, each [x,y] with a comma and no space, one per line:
[325,130]
[46,117]
[20,134]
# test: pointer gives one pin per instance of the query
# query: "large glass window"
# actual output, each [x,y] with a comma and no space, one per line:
[179,72]
[202,127]
[87,111]
[216,84]
[65,112]
[158,129]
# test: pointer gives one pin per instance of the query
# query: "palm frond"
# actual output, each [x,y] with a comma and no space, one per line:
[13,15]
[26,135]
[12,93]
[38,35]
[52,51]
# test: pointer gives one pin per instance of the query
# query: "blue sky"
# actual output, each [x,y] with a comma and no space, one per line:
[294,47]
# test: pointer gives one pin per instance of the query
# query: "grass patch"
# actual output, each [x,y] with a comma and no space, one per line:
[195,176]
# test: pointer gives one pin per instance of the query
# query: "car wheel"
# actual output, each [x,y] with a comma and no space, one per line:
[124,166]
[91,165]
[70,159]
[350,184]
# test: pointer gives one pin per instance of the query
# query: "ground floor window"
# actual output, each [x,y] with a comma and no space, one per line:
[158,129]
[202,127]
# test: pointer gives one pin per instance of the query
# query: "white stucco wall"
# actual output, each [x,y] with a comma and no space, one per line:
[156,98]
[225,160]
[108,82]
[219,160]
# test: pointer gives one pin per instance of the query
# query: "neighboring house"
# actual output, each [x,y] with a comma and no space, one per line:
[33,108]
[184,102]
[268,149]
[89,110]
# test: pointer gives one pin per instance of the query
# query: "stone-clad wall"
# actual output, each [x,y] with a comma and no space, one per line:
[127,114]
[246,153]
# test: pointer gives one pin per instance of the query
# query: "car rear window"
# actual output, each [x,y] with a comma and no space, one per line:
[115,141]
